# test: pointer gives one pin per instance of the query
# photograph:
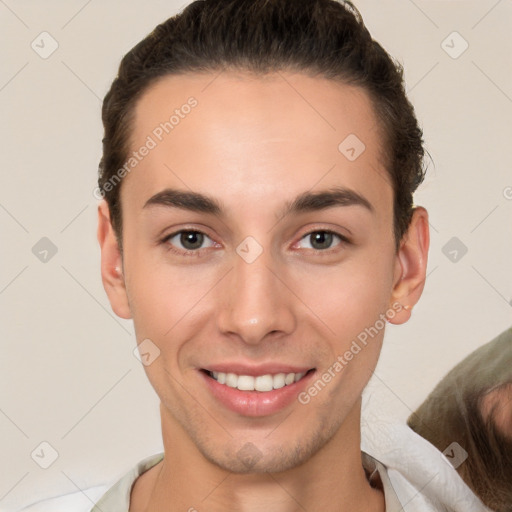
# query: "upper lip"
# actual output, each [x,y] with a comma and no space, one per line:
[255,370]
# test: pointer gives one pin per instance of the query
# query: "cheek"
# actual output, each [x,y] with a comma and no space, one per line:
[346,297]
[165,297]
[349,296]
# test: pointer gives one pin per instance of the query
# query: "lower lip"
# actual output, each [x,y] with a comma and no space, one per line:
[256,403]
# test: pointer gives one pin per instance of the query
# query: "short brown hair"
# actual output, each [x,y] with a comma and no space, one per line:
[317,37]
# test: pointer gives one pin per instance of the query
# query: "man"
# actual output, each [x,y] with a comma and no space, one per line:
[258,226]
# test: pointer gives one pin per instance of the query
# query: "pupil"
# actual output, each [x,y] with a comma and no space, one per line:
[189,236]
[322,236]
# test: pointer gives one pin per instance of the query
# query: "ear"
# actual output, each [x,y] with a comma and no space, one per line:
[111,264]
[411,266]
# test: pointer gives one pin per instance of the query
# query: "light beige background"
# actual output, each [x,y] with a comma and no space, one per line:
[69,376]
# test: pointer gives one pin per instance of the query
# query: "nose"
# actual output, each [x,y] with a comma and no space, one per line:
[256,302]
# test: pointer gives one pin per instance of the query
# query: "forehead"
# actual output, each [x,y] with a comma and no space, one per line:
[237,132]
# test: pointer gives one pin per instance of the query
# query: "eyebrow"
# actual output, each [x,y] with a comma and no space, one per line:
[305,202]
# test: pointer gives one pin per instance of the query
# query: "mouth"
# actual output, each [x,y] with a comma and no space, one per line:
[258,395]
[261,383]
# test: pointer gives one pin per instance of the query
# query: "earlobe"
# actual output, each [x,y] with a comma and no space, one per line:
[411,266]
[111,264]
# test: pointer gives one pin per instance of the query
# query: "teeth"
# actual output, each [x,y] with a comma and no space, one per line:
[289,379]
[261,383]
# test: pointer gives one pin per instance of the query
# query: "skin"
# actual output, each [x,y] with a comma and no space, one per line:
[254,144]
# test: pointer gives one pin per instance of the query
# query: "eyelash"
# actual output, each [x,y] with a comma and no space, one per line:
[198,252]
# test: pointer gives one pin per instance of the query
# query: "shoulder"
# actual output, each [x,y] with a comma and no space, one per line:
[113,497]
[80,501]
[421,475]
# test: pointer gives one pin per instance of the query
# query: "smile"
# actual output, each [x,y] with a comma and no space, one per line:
[260,383]
[265,392]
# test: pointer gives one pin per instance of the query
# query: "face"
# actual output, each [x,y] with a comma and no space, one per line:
[267,274]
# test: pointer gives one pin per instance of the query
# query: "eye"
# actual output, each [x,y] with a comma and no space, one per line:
[190,240]
[321,240]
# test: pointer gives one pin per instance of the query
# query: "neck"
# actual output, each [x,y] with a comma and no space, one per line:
[332,479]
